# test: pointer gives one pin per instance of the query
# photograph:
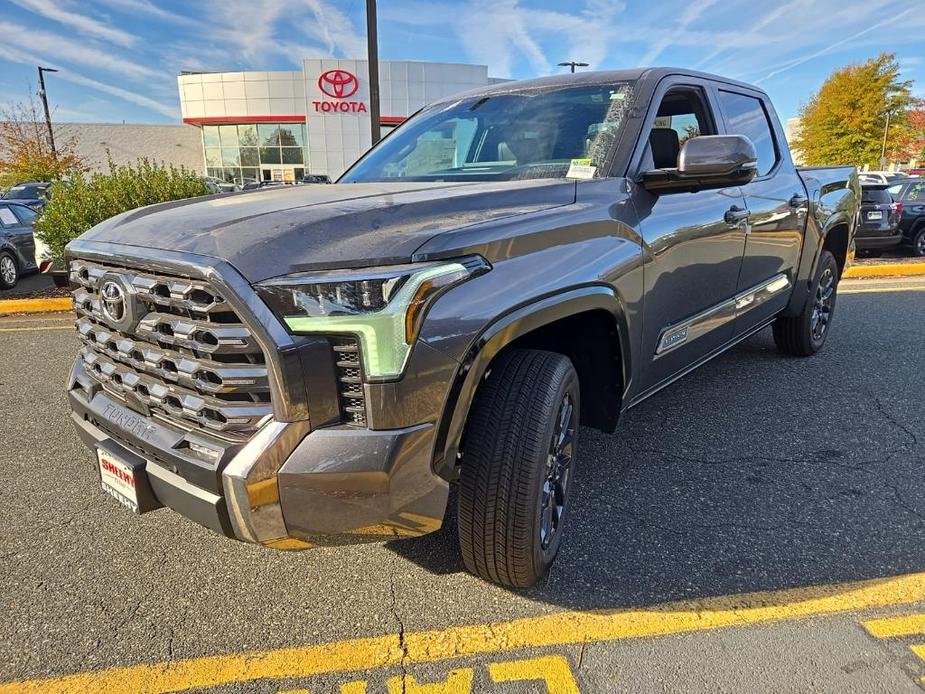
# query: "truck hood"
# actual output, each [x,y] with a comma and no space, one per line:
[277,232]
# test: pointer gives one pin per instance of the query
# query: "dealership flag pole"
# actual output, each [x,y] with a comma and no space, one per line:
[372,43]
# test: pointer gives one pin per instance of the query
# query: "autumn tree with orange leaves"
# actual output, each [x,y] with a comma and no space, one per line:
[25,153]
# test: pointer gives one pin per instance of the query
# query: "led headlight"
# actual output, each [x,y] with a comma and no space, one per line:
[384,307]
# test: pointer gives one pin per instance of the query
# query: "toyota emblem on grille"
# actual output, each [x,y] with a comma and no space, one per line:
[112,301]
[117,302]
[338,84]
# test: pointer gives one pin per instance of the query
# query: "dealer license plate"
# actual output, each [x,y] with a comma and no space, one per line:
[118,479]
[875,215]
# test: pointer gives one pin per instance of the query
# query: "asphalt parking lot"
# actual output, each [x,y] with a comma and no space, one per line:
[759,526]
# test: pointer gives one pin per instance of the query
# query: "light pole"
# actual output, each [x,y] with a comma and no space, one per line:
[51,135]
[886,132]
[372,62]
[572,64]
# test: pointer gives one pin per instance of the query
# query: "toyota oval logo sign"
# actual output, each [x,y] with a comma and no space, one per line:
[338,84]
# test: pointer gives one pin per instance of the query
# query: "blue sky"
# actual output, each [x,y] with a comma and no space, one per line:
[118,59]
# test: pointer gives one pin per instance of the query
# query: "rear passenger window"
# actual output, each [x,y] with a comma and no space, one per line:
[745,115]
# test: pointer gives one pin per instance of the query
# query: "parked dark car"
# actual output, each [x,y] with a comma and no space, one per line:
[17,245]
[260,185]
[910,194]
[320,364]
[316,178]
[878,225]
[34,194]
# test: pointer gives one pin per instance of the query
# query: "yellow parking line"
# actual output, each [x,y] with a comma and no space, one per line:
[455,642]
[893,627]
[37,330]
[875,290]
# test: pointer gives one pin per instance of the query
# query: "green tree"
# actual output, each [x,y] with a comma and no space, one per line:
[844,122]
[82,201]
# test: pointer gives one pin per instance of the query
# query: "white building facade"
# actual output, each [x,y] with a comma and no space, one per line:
[281,126]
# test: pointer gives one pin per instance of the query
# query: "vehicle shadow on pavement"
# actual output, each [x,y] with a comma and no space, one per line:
[757,472]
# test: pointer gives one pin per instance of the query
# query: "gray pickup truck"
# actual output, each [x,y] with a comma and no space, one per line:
[318,365]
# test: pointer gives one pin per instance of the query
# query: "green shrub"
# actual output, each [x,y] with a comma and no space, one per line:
[82,201]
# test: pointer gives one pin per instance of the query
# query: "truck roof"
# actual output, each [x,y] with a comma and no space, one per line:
[603,77]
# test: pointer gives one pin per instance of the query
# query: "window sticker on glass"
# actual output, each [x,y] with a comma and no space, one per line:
[7,217]
[581,168]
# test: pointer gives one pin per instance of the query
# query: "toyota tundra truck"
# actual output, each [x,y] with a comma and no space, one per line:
[318,364]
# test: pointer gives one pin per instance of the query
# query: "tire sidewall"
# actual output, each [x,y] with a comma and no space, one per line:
[917,249]
[543,559]
[826,261]
[3,283]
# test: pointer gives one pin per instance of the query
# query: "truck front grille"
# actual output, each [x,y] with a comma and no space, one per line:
[350,381]
[187,357]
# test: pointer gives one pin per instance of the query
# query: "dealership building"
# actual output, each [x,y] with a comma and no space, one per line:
[279,126]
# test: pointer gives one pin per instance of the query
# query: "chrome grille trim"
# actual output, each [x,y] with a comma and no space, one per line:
[207,411]
[172,292]
[189,359]
[190,372]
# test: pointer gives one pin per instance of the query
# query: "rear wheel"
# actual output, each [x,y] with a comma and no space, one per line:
[918,243]
[805,334]
[518,464]
[9,271]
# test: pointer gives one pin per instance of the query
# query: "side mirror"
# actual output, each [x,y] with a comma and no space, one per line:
[708,161]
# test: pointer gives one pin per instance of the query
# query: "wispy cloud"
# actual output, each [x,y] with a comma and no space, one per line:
[78,52]
[17,55]
[55,11]
[690,15]
[893,19]
[334,30]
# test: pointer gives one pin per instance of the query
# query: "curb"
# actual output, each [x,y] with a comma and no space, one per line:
[50,305]
[882,270]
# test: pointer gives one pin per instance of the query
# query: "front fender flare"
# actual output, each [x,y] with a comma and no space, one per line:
[501,333]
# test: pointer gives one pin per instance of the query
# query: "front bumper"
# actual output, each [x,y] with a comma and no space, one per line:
[287,487]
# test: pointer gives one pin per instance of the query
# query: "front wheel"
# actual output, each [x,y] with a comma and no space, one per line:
[805,334]
[9,271]
[517,467]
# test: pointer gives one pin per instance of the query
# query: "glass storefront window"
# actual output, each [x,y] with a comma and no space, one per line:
[254,150]
[213,156]
[269,135]
[291,136]
[292,155]
[229,135]
[231,157]
[249,156]
[210,136]
[247,135]
[270,155]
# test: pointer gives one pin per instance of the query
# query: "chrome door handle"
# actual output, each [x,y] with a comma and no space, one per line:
[798,200]
[735,215]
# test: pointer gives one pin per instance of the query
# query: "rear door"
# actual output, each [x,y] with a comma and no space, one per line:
[777,205]
[26,216]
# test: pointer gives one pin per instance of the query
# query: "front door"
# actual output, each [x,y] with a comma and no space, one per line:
[695,243]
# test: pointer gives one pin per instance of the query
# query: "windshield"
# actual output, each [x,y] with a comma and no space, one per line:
[519,135]
[25,192]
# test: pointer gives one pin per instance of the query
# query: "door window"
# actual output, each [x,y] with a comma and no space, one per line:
[682,115]
[745,115]
[915,193]
[7,218]
[25,214]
